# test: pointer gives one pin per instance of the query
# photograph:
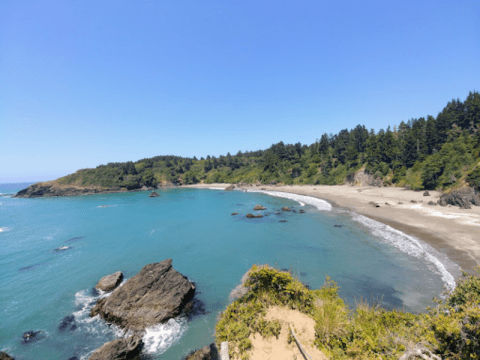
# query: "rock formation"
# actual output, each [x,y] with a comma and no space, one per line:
[68,323]
[119,349]
[235,213]
[110,282]
[156,294]
[285,208]
[153,194]
[230,187]
[209,352]
[426,193]
[47,189]
[463,197]
[259,207]
[5,356]
[251,216]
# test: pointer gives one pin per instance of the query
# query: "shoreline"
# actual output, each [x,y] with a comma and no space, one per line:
[450,230]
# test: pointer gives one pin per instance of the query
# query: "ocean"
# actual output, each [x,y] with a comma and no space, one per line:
[123,232]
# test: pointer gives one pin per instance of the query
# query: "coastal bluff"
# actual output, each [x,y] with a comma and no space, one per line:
[52,188]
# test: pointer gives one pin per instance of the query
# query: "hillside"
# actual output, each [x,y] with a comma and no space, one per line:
[426,153]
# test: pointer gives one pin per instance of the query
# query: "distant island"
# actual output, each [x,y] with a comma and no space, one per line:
[421,154]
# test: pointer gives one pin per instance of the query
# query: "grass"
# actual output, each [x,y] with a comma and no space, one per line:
[450,330]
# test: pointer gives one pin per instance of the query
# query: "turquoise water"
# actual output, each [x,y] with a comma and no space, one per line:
[194,227]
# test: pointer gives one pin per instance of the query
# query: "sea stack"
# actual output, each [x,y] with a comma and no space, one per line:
[153,296]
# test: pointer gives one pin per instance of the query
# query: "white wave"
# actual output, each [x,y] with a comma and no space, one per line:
[411,246]
[216,188]
[3,229]
[159,338]
[302,199]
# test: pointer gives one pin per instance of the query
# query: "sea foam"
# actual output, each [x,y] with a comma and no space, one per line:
[301,199]
[159,338]
[413,247]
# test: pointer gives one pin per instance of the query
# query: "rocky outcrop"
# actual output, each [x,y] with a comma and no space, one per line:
[235,213]
[68,323]
[32,336]
[156,294]
[251,216]
[463,197]
[259,207]
[209,352]
[110,282]
[426,193]
[49,189]
[285,208]
[230,187]
[5,356]
[153,194]
[361,178]
[119,349]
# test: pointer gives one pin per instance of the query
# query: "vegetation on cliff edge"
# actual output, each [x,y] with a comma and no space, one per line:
[451,329]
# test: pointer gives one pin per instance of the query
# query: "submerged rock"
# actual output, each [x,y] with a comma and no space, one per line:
[68,323]
[235,213]
[32,336]
[156,294]
[282,221]
[209,352]
[119,349]
[153,194]
[251,216]
[110,282]
[301,211]
[5,356]
[61,248]
[259,207]
[338,226]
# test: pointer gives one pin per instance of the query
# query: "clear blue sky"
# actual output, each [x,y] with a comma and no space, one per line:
[84,83]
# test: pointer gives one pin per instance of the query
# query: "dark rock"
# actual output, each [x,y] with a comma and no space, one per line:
[400,203]
[230,187]
[156,294]
[30,267]
[301,211]
[76,238]
[426,193]
[234,213]
[49,189]
[206,353]
[339,226]
[259,207]
[110,282]
[153,194]
[273,183]
[68,323]
[432,203]
[413,201]
[73,358]
[282,221]
[251,216]
[5,356]
[194,308]
[285,208]
[374,204]
[120,349]
[32,336]
[463,197]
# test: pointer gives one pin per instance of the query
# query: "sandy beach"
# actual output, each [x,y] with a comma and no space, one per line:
[450,230]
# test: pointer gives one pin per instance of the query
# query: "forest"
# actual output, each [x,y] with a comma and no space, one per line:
[429,153]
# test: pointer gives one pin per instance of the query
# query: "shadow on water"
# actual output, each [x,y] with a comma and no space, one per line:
[364,288]
[31,267]
[76,238]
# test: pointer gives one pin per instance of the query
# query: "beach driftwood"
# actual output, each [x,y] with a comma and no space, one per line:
[156,294]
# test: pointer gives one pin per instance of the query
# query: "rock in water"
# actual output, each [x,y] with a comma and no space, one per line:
[31,336]
[68,323]
[285,208]
[235,213]
[259,207]
[251,216]
[153,194]
[120,349]
[156,294]
[110,282]
[230,187]
[206,353]
[5,356]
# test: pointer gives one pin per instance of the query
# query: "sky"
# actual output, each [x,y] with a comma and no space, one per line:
[84,83]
